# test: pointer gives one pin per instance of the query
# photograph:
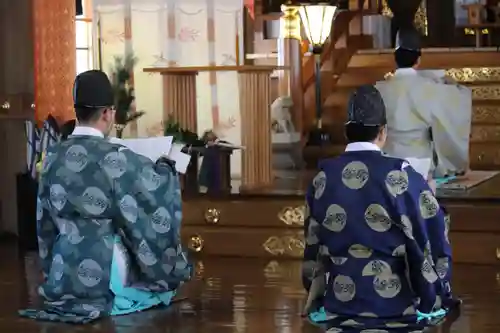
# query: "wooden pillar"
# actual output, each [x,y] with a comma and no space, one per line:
[55,58]
[290,55]
[179,98]
[255,101]
[16,98]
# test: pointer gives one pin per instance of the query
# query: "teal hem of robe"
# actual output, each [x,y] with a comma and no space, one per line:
[320,318]
[129,300]
[126,301]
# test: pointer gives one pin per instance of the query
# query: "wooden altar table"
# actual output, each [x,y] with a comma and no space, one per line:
[179,100]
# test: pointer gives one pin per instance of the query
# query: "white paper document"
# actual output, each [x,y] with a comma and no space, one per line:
[152,148]
[421,165]
[181,159]
[156,147]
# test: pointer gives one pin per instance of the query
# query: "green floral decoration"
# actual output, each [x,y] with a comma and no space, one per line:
[181,135]
[121,75]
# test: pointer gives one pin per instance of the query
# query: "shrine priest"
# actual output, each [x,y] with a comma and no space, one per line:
[428,115]
[108,220]
[377,256]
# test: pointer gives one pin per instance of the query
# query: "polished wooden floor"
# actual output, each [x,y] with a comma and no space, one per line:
[230,295]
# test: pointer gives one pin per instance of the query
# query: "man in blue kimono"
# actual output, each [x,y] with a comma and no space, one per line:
[377,253]
[108,220]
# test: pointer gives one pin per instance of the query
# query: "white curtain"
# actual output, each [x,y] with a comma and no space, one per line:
[177,33]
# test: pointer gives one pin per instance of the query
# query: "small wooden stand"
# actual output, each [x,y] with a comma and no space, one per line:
[216,169]
[474,13]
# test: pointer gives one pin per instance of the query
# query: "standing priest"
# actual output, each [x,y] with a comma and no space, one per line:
[427,115]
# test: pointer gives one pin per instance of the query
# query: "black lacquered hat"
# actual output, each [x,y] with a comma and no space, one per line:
[366,107]
[92,89]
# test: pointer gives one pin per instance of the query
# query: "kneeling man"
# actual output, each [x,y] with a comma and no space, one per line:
[377,252]
[108,220]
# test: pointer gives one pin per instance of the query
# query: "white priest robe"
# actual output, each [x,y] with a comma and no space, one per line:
[428,118]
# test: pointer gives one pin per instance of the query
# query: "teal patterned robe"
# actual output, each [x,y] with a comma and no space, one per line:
[91,193]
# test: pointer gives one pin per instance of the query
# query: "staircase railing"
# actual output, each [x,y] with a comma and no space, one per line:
[334,62]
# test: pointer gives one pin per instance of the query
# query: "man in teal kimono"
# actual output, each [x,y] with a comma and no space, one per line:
[108,220]
[377,254]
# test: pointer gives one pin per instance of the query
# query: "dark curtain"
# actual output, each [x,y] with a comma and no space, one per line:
[441,22]
[404,14]
[27,189]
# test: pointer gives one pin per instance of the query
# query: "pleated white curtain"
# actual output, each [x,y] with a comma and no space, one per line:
[177,33]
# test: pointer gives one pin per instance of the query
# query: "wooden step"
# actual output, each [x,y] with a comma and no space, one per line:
[486,92]
[484,156]
[339,98]
[491,103]
[481,114]
[473,84]
[355,77]
[277,232]
[483,94]
[431,58]
[489,133]
[480,133]
[486,114]
[477,74]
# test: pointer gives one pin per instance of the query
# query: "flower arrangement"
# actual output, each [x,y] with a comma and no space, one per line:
[124,92]
[173,128]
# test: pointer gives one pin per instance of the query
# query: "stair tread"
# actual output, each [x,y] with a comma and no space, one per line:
[434,60]
[431,50]
[355,77]
[480,83]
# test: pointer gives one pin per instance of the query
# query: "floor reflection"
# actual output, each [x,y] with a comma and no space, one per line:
[235,296]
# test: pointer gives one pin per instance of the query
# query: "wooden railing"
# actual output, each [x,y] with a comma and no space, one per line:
[336,54]
[340,27]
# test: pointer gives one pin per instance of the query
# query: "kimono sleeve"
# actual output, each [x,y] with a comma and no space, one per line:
[313,268]
[311,248]
[148,203]
[47,234]
[428,251]
[47,231]
[451,133]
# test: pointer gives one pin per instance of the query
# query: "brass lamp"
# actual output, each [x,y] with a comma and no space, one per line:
[317,19]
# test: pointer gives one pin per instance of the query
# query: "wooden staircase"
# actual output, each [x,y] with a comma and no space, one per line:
[270,225]
[346,39]
[348,61]
[478,69]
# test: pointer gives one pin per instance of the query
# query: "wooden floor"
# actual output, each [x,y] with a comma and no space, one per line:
[230,295]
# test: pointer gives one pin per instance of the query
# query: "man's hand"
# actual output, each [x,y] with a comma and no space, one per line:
[166,162]
[449,80]
[432,184]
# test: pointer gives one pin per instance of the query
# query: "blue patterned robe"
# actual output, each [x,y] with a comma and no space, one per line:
[102,207]
[377,248]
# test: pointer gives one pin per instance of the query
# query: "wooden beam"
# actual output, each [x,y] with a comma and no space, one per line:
[432,59]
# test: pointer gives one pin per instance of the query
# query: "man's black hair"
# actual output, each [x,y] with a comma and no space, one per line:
[361,133]
[88,114]
[406,58]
